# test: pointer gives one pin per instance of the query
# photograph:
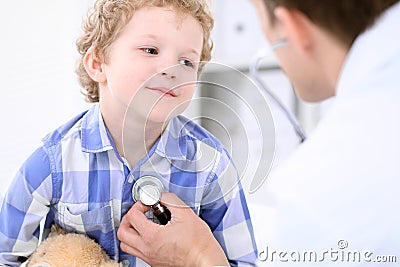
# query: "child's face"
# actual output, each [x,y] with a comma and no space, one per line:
[156,52]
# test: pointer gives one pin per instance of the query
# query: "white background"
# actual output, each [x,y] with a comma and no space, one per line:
[39,89]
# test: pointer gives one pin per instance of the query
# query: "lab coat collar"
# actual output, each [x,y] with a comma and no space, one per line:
[374,54]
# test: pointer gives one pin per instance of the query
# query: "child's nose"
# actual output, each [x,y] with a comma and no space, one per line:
[168,73]
[167,67]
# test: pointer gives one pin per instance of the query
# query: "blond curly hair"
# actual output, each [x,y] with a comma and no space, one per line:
[106,20]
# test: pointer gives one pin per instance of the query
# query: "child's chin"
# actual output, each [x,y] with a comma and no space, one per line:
[157,117]
[164,115]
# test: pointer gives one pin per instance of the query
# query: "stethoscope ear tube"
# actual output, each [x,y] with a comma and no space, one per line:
[253,71]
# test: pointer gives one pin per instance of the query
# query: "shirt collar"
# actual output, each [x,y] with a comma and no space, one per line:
[94,132]
[172,144]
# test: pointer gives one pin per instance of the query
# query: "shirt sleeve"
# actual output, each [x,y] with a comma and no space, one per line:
[224,208]
[25,204]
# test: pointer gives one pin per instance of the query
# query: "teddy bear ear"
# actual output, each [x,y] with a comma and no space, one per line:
[57,230]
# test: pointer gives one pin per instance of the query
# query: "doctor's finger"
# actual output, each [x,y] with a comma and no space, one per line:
[133,251]
[132,243]
[126,232]
[140,207]
[146,228]
[128,218]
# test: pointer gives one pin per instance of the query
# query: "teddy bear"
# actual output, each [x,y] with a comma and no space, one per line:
[69,249]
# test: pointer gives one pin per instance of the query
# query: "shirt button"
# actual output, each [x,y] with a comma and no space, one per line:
[130,179]
[125,263]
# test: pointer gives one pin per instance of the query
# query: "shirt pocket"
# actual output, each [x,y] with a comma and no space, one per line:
[76,217]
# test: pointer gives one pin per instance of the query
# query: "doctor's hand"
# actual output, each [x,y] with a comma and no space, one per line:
[185,241]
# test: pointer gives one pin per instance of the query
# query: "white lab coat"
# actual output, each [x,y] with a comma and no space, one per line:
[340,191]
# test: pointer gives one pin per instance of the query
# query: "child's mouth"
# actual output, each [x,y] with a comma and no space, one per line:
[163,90]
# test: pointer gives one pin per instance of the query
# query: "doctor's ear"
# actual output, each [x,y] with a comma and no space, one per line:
[294,26]
[93,66]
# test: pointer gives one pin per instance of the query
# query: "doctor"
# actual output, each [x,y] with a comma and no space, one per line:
[338,196]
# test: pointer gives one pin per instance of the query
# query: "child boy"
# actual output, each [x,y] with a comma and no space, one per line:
[139,61]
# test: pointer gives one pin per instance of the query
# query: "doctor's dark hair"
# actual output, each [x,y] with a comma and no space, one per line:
[345,19]
[106,20]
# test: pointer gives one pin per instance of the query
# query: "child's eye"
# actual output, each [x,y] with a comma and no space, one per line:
[187,63]
[150,50]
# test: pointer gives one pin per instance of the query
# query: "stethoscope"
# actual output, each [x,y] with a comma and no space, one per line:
[253,71]
[148,190]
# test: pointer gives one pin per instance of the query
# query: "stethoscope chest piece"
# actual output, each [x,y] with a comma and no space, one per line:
[148,190]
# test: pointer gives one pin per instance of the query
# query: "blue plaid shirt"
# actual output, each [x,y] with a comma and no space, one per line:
[78,180]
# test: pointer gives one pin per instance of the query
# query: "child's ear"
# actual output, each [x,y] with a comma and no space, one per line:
[94,66]
[295,27]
